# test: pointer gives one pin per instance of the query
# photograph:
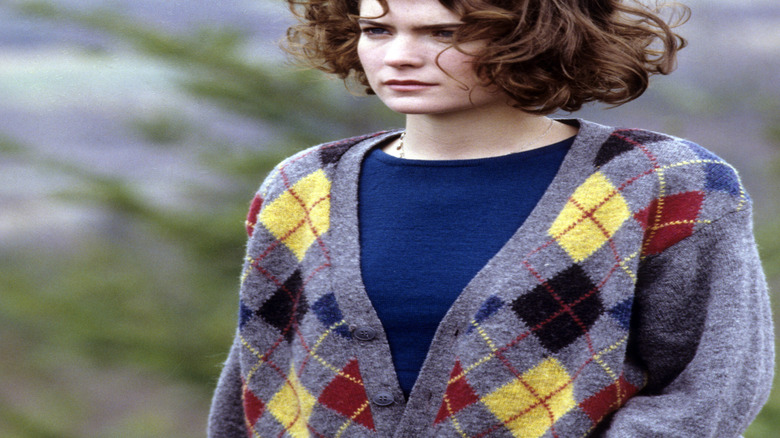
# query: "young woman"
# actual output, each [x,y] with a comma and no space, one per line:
[488,271]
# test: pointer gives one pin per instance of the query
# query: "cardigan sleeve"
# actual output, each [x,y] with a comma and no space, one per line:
[702,329]
[227,416]
[226,419]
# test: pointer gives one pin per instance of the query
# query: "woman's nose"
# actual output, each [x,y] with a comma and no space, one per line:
[404,51]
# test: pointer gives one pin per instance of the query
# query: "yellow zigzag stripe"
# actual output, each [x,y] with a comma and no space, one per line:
[255,434]
[692,162]
[351,420]
[681,222]
[256,354]
[624,264]
[454,420]
[343,428]
[742,193]
[312,353]
[248,270]
[601,353]
[325,363]
[481,361]
[659,208]
[487,339]
[604,366]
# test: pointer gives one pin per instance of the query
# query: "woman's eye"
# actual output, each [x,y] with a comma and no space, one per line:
[372,31]
[444,34]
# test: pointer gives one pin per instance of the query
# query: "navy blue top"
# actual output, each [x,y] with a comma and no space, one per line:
[427,228]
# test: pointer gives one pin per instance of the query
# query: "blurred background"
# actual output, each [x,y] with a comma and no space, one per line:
[133,134]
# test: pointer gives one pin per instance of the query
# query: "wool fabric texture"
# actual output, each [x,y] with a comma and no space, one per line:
[413,258]
[630,303]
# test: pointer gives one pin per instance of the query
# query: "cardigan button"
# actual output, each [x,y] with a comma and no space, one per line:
[383,398]
[365,333]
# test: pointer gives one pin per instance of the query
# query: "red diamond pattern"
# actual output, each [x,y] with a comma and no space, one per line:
[253,407]
[458,395]
[669,220]
[346,395]
[608,399]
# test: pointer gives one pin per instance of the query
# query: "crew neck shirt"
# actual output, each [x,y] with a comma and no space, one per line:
[427,227]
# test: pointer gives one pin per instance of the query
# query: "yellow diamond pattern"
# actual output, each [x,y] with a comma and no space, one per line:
[301,214]
[591,217]
[292,406]
[531,406]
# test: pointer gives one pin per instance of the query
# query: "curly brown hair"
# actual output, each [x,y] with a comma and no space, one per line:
[545,54]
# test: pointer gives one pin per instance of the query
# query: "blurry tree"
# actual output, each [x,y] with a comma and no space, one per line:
[155,292]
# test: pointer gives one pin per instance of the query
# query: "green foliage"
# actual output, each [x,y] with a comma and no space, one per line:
[162,128]
[10,147]
[772,127]
[215,69]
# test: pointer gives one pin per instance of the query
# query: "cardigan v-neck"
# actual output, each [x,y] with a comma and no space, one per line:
[500,268]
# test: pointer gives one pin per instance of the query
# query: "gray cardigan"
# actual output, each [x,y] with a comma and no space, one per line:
[631,303]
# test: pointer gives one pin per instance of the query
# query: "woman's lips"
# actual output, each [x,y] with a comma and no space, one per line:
[398,85]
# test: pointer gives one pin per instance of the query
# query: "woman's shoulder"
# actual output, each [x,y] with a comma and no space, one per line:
[657,171]
[659,154]
[643,146]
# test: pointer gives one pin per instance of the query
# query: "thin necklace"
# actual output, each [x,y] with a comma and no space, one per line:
[400,147]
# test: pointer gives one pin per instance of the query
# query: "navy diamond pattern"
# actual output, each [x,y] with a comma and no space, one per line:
[562,309]
[286,307]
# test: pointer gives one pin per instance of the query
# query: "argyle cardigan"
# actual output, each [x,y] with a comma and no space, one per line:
[631,303]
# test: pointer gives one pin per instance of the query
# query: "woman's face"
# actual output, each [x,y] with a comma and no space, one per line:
[399,51]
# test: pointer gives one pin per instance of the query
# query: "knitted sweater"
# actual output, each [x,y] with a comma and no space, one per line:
[631,303]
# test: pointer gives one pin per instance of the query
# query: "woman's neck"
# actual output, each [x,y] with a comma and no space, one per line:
[486,132]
